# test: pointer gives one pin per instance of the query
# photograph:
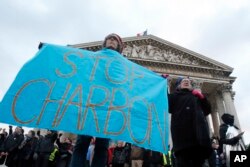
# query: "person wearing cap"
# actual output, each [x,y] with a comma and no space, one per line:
[230,137]
[113,42]
[189,128]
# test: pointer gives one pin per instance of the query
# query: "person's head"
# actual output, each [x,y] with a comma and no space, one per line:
[114,42]
[119,143]
[18,130]
[67,140]
[228,119]
[31,133]
[183,83]
[112,145]
[49,132]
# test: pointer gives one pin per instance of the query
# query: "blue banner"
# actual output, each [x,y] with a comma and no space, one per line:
[101,94]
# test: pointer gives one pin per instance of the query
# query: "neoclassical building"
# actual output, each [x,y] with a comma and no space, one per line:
[162,56]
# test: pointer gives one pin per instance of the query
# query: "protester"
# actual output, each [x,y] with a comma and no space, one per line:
[44,148]
[137,156]
[113,42]
[128,155]
[119,155]
[189,128]
[215,160]
[90,152]
[111,149]
[230,137]
[152,159]
[27,148]
[168,160]
[10,146]
[3,136]
[65,151]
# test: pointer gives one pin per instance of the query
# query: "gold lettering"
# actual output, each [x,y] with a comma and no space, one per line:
[58,117]
[19,93]
[48,100]
[113,108]
[97,58]
[70,63]
[112,80]
[163,136]
[149,121]
[89,104]
[134,76]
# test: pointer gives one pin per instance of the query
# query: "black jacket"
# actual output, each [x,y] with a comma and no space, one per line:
[223,140]
[12,142]
[28,147]
[152,157]
[119,155]
[46,144]
[2,138]
[189,126]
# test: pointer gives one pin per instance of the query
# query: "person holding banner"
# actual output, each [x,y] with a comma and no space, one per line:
[190,133]
[114,42]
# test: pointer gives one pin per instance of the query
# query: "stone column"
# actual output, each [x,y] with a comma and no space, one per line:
[215,114]
[210,126]
[219,104]
[215,120]
[227,95]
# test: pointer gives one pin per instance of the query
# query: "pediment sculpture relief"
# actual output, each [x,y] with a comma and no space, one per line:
[155,53]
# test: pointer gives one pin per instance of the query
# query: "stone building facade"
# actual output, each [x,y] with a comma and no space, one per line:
[161,56]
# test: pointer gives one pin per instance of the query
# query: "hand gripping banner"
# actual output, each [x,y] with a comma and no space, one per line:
[101,94]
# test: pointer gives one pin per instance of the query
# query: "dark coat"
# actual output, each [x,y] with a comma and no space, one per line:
[46,144]
[228,120]
[2,139]
[12,142]
[119,155]
[189,126]
[223,140]
[137,153]
[28,147]
[10,146]
[152,157]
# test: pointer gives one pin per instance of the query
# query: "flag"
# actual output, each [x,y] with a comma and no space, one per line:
[144,33]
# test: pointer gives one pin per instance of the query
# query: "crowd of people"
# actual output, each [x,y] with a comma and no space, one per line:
[32,149]
[192,144]
[55,150]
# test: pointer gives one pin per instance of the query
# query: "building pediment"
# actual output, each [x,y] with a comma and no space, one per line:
[163,56]
[153,48]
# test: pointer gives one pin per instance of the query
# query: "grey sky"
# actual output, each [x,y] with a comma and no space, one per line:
[217,29]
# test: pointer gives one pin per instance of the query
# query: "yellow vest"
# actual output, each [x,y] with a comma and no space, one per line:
[53,155]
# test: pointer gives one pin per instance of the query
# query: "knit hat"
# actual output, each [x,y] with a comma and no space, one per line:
[118,39]
[178,82]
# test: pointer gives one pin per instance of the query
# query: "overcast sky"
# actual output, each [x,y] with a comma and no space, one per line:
[218,29]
